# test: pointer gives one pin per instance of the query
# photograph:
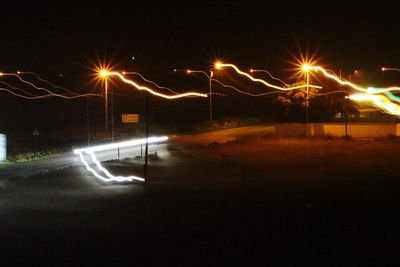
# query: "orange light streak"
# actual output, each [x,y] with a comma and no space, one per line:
[228,86]
[49,92]
[151,82]
[104,74]
[48,82]
[307,68]
[270,75]
[219,65]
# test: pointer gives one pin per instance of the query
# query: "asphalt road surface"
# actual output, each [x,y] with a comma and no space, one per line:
[68,160]
[201,207]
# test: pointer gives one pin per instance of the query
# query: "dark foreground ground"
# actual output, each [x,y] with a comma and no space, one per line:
[249,202]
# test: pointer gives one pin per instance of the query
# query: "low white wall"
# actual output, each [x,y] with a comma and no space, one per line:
[338,129]
[3,148]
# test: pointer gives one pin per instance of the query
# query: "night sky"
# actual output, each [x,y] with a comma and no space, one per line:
[53,38]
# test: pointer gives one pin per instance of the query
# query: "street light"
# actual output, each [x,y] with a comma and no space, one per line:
[210,77]
[306,70]
[103,74]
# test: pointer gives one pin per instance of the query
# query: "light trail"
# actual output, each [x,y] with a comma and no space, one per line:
[327,93]
[151,82]
[270,75]
[223,65]
[369,90]
[370,94]
[393,96]
[226,85]
[379,101]
[108,176]
[48,82]
[16,88]
[49,92]
[26,97]
[105,74]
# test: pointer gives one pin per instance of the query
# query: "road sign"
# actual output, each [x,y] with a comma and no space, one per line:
[130,118]
[35,132]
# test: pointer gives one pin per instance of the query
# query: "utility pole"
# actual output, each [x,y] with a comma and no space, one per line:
[112,116]
[147,137]
[210,95]
[87,121]
[106,104]
[307,104]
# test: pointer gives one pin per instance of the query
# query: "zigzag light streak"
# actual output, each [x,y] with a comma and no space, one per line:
[48,82]
[270,75]
[369,90]
[104,74]
[49,92]
[16,88]
[26,97]
[226,85]
[151,82]
[108,176]
[223,65]
[380,101]
[371,94]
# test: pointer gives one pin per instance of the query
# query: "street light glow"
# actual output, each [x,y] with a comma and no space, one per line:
[221,66]
[149,90]
[103,73]
[306,67]
[218,65]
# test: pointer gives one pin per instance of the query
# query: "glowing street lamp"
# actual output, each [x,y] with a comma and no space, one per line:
[210,77]
[103,74]
[306,70]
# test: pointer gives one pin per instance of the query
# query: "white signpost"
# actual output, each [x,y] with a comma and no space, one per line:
[3,148]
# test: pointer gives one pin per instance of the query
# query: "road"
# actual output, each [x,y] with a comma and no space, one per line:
[296,201]
[68,160]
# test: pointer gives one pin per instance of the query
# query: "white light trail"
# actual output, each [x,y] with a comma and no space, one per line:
[108,176]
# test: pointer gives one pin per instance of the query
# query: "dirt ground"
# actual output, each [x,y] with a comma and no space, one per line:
[246,202]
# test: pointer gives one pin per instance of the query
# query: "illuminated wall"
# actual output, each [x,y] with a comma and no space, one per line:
[3,147]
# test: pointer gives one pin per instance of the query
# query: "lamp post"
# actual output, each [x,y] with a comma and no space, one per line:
[103,74]
[210,95]
[106,104]
[306,70]
[346,104]
[210,77]
[307,102]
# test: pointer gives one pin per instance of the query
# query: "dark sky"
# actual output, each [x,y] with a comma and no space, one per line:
[51,37]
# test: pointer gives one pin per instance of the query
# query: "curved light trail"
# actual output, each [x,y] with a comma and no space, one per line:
[371,94]
[18,89]
[270,75]
[223,65]
[379,101]
[226,85]
[49,92]
[369,90]
[107,176]
[48,82]
[151,82]
[105,74]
